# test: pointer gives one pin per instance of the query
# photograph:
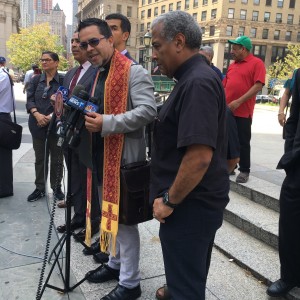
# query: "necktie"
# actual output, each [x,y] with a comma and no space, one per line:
[75,78]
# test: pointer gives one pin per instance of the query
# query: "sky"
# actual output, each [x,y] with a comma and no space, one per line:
[66,6]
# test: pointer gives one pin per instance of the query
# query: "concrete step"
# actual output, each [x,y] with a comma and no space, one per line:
[251,254]
[253,218]
[258,190]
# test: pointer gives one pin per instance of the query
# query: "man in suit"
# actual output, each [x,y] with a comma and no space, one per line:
[126,93]
[120,27]
[83,75]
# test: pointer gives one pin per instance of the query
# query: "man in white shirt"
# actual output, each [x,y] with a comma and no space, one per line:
[6,107]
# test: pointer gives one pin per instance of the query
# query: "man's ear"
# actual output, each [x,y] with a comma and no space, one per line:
[125,36]
[179,40]
[111,40]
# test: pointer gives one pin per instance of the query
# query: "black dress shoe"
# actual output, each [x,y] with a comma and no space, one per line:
[95,248]
[279,288]
[123,293]
[101,257]
[74,225]
[105,273]
[80,236]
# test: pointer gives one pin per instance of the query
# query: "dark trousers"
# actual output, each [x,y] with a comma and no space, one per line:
[187,238]
[244,132]
[79,190]
[289,227]
[6,166]
[56,162]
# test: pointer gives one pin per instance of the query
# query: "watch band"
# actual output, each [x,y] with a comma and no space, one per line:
[167,202]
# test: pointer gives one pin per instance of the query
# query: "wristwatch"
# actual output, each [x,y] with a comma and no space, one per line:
[167,202]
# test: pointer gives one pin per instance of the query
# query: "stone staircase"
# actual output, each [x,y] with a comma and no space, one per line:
[249,234]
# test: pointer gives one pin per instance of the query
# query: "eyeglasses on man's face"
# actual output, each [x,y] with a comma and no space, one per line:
[45,60]
[92,42]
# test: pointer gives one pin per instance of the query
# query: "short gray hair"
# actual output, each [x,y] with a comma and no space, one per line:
[175,22]
[208,49]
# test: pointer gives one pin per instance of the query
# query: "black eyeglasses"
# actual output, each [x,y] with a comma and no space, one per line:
[45,60]
[45,93]
[92,42]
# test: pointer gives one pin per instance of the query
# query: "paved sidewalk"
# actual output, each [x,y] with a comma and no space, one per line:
[24,227]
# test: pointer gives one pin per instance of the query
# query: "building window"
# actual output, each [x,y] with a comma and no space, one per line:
[244,1]
[288,36]
[214,1]
[278,18]
[268,2]
[203,15]
[148,25]
[204,2]
[178,5]
[119,8]
[253,32]
[298,37]
[243,14]
[290,19]
[149,13]
[276,34]
[195,16]
[256,2]
[267,16]
[142,14]
[142,27]
[155,11]
[203,31]
[187,4]
[279,3]
[143,2]
[129,11]
[255,15]
[171,7]
[141,40]
[211,30]
[259,51]
[265,33]
[277,53]
[195,3]
[213,13]
[229,30]
[230,13]
[231,1]
[163,9]
[292,4]
[149,1]
[241,31]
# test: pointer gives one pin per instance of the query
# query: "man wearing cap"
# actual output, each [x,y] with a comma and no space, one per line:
[244,79]
[6,107]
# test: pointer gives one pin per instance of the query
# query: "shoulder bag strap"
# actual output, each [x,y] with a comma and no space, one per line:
[12,93]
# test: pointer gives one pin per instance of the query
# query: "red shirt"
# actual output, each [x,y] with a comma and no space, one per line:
[240,77]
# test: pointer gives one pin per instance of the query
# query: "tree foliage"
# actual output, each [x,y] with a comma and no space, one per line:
[283,68]
[26,47]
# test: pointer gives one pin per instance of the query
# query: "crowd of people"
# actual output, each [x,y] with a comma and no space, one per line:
[202,132]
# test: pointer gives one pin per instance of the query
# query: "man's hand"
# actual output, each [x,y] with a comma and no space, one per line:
[93,122]
[41,119]
[160,210]
[233,105]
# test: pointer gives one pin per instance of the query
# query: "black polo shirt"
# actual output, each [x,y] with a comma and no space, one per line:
[193,114]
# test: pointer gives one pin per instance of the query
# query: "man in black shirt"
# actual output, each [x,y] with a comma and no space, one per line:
[189,178]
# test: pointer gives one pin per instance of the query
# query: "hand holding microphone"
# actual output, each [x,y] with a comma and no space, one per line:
[93,122]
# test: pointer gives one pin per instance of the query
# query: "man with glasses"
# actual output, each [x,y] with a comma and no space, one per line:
[83,75]
[125,94]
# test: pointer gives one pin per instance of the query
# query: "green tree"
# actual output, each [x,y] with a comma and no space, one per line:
[283,68]
[27,46]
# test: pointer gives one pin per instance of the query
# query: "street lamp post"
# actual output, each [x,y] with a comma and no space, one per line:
[147,56]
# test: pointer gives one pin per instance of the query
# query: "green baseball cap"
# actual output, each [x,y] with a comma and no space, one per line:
[242,40]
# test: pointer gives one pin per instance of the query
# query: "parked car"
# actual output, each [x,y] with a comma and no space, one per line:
[266,99]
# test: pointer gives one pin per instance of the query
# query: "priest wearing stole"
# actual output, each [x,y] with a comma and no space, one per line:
[125,95]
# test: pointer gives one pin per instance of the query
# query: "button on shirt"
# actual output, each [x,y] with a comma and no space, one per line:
[6,98]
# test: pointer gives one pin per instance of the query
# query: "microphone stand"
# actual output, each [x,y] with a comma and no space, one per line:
[65,240]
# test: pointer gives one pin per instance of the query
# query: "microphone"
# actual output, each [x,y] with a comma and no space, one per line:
[91,106]
[76,104]
[58,111]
